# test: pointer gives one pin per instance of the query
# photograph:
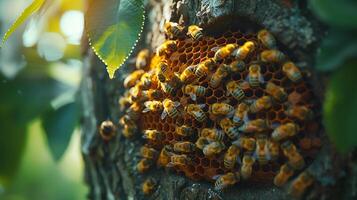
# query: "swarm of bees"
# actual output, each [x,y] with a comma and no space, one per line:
[221,109]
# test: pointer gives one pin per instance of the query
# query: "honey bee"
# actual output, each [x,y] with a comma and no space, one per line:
[235,90]
[143,165]
[231,156]
[257,125]
[107,130]
[262,151]
[148,80]
[179,160]
[226,180]
[126,120]
[202,142]
[195,32]
[221,109]
[300,184]
[272,56]
[267,39]
[229,128]
[188,74]
[205,67]
[224,52]
[152,135]
[300,112]
[194,91]
[237,66]
[166,48]
[134,111]
[172,85]
[129,131]
[254,76]
[147,152]
[219,75]
[153,106]
[274,149]
[142,59]
[247,166]
[125,101]
[163,71]
[133,78]
[212,134]
[246,143]
[184,147]
[292,71]
[184,130]
[263,103]
[139,95]
[196,111]
[240,114]
[213,148]
[294,157]
[242,52]
[173,29]
[165,156]
[276,92]
[285,172]
[149,186]
[285,130]
[170,108]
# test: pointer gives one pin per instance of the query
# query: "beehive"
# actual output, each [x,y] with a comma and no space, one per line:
[190,52]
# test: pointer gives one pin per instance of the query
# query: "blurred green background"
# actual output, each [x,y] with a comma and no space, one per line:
[40,73]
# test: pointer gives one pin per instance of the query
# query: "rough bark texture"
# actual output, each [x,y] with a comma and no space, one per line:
[110,167]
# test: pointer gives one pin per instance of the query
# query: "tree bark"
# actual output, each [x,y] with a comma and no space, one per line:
[110,166]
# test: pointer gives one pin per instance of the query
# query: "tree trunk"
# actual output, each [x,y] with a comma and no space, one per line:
[110,166]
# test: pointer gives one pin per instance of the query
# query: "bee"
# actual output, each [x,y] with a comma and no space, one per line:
[247,166]
[196,111]
[234,89]
[202,142]
[148,80]
[263,103]
[226,180]
[172,85]
[165,156]
[246,143]
[229,128]
[184,147]
[240,114]
[237,66]
[285,172]
[262,151]
[170,108]
[184,130]
[107,130]
[152,135]
[173,29]
[179,160]
[257,125]
[133,78]
[267,39]
[166,48]
[153,106]
[195,32]
[300,112]
[219,75]
[126,120]
[242,52]
[294,157]
[149,186]
[147,152]
[274,149]
[134,111]
[139,95]
[224,52]
[285,130]
[221,109]
[272,56]
[144,164]
[163,71]
[194,91]
[212,134]
[129,131]
[142,59]
[300,184]
[276,92]
[254,76]
[213,148]
[125,101]
[205,67]
[292,71]
[188,74]
[231,156]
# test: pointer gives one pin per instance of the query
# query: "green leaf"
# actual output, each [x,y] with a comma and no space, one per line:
[114,27]
[340,107]
[340,14]
[336,48]
[32,8]
[59,125]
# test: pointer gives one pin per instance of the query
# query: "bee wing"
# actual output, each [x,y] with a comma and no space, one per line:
[245,118]
[201,105]
[215,177]
[275,125]
[215,49]
[193,96]
[163,114]
[177,104]
[147,104]
[261,79]
[146,110]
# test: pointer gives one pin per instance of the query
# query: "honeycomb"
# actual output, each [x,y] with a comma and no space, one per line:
[191,52]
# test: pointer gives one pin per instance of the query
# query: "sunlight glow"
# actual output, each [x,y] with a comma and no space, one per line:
[51,46]
[72,25]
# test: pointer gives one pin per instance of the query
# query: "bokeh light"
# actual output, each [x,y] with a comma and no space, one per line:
[72,25]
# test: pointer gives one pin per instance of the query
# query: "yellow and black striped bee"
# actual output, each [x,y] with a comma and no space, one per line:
[184,147]
[195,32]
[255,77]
[231,156]
[267,39]
[272,56]
[292,71]
[196,111]
[170,108]
[285,172]
[226,180]
[185,130]
[194,91]
[149,186]
[224,52]
[234,89]
[173,29]
[276,92]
